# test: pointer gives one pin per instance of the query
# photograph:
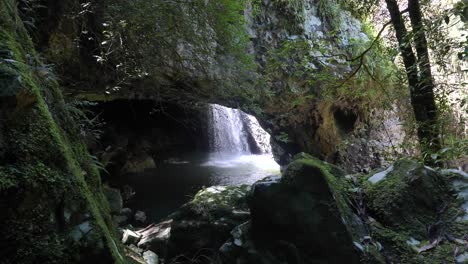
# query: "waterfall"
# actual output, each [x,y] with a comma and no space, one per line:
[231,131]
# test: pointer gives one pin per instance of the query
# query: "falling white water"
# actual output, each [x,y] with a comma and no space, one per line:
[238,143]
[226,131]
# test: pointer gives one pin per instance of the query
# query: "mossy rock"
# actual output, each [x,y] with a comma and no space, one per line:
[408,196]
[414,205]
[307,208]
[48,182]
[202,225]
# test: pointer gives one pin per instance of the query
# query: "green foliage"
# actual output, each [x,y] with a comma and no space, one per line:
[304,71]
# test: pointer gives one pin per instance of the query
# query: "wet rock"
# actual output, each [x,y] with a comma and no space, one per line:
[140,216]
[136,249]
[114,198]
[150,257]
[240,232]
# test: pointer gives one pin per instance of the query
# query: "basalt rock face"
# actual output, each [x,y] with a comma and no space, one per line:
[53,208]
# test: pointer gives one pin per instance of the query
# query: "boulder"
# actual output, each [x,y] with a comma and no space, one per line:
[304,216]
[412,212]
[407,195]
[204,224]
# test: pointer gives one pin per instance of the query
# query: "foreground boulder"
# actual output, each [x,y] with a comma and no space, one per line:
[408,194]
[197,229]
[417,213]
[302,217]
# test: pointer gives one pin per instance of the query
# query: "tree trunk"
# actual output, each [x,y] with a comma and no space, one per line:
[419,74]
[426,113]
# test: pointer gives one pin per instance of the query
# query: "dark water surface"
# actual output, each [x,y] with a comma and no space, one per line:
[174,182]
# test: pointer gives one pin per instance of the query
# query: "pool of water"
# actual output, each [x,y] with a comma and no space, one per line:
[163,190]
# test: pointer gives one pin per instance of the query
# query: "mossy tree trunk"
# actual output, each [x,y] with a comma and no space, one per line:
[418,71]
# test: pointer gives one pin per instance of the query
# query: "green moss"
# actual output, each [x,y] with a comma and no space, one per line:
[397,249]
[333,175]
[47,166]
[409,197]
[216,200]
[409,201]
[337,186]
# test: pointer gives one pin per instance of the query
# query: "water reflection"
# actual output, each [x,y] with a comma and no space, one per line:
[162,190]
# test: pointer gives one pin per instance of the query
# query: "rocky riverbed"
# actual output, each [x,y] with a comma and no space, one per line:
[314,213]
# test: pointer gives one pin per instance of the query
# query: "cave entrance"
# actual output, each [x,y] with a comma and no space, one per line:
[165,153]
[345,120]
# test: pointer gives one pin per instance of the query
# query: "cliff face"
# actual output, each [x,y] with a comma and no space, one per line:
[53,209]
[292,63]
[314,98]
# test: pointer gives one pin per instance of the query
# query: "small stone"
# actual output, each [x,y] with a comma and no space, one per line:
[150,257]
[140,216]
